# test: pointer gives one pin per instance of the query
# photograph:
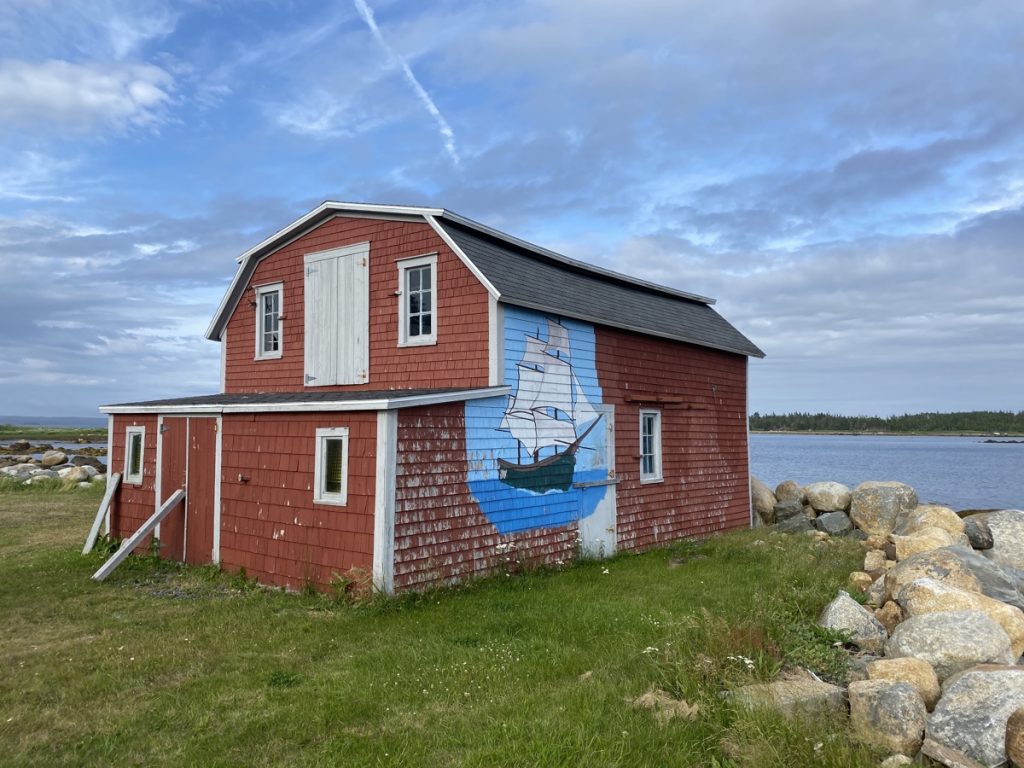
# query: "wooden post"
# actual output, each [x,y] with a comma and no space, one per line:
[136,538]
[90,540]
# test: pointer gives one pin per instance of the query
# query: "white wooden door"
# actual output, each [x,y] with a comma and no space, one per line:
[337,316]
[597,530]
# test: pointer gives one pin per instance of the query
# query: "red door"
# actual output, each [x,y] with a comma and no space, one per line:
[202,453]
[173,438]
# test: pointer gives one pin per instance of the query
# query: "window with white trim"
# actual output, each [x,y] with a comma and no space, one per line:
[650,446]
[269,299]
[417,314]
[134,450]
[331,467]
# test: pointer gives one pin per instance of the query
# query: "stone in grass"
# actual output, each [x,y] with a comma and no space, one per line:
[828,496]
[790,490]
[923,596]
[1014,742]
[796,695]
[847,615]
[665,707]
[977,531]
[888,714]
[951,642]
[784,510]
[1007,528]
[834,523]
[940,564]
[763,500]
[876,507]
[973,712]
[918,673]
[921,540]
[896,761]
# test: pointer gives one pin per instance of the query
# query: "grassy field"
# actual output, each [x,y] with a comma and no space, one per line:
[168,666]
[59,434]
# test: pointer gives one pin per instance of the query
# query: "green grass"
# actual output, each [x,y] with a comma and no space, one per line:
[164,665]
[58,434]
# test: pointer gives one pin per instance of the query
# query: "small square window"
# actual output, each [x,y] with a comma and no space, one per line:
[268,321]
[331,466]
[417,280]
[650,446]
[134,448]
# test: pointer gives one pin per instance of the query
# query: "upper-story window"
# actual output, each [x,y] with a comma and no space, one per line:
[650,446]
[417,316]
[268,321]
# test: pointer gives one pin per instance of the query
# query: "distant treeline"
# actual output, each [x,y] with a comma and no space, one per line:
[963,421]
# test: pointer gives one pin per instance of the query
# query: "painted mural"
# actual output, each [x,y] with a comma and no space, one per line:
[532,453]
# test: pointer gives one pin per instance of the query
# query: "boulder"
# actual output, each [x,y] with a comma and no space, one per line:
[974,709]
[951,641]
[790,490]
[875,507]
[917,673]
[932,516]
[977,531]
[943,565]
[798,524]
[763,500]
[921,540]
[90,471]
[53,458]
[99,479]
[874,560]
[847,615]
[887,714]
[74,474]
[798,696]
[1007,529]
[834,523]
[997,582]
[828,496]
[88,461]
[19,445]
[784,510]
[45,473]
[941,754]
[1014,742]
[923,596]
[890,615]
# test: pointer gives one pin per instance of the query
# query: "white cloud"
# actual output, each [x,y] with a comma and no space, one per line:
[79,97]
[35,177]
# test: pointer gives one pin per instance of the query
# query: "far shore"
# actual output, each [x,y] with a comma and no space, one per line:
[996,437]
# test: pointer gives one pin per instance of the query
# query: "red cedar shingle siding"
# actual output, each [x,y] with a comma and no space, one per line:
[440,534]
[133,504]
[459,359]
[269,524]
[704,445]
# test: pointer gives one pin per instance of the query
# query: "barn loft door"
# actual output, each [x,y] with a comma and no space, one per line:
[337,316]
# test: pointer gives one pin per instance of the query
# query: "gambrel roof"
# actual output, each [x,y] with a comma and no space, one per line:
[523,274]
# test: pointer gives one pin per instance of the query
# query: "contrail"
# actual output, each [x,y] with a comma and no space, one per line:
[446,130]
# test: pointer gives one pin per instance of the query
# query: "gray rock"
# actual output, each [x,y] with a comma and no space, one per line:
[88,461]
[877,507]
[951,641]
[828,496]
[834,523]
[74,474]
[53,458]
[790,490]
[763,500]
[972,713]
[887,714]
[1007,529]
[994,580]
[37,472]
[19,445]
[787,509]
[876,592]
[798,524]
[847,615]
[976,528]
[944,565]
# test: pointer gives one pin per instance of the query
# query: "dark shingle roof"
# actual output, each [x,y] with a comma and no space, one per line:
[537,281]
[305,397]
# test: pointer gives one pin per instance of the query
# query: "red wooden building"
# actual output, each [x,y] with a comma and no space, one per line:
[418,396]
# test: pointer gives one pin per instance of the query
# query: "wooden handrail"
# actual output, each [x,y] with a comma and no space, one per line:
[136,538]
[90,540]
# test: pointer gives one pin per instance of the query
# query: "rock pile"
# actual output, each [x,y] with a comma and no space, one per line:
[54,464]
[938,631]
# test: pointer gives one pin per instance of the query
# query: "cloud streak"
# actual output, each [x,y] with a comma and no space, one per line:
[447,134]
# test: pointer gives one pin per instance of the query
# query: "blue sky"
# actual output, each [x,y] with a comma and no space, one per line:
[846,178]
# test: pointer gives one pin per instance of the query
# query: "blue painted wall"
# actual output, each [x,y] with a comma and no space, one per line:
[513,509]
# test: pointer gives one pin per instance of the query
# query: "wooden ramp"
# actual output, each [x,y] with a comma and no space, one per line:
[136,538]
[90,540]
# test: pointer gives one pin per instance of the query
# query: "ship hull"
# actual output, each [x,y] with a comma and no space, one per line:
[551,474]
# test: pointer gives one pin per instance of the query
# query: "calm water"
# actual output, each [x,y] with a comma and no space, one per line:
[961,472]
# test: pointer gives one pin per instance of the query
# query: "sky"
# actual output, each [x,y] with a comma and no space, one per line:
[846,178]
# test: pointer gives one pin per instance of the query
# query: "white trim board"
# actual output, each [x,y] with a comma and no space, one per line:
[383,571]
[380,404]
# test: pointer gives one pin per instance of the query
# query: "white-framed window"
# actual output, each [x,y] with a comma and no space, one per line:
[417,288]
[331,469]
[134,454]
[650,446]
[269,300]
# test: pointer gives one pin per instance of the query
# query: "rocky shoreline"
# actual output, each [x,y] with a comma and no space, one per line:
[82,468]
[934,626]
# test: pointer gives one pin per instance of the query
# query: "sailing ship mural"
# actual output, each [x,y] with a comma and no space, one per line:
[538,457]
[549,415]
